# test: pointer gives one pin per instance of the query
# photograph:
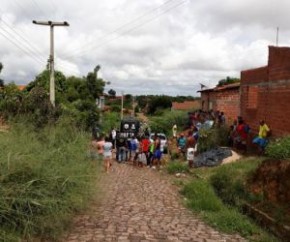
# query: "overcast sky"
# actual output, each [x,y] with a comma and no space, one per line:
[143,47]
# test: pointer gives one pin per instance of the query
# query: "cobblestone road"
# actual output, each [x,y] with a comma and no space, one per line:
[139,204]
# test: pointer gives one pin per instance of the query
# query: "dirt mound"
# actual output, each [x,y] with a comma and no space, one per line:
[272,180]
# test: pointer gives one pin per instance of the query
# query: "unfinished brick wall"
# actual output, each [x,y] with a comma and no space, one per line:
[228,101]
[265,93]
[208,100]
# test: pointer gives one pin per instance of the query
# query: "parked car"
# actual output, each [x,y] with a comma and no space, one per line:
[163,141]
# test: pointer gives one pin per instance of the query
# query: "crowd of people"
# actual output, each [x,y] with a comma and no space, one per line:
[139,151]
[148,152]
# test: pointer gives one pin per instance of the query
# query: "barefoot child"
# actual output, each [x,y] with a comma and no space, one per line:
[107,154]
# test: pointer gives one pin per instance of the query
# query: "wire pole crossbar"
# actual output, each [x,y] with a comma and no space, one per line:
[51,57]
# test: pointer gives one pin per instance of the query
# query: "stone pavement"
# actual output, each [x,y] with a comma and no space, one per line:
[138,204]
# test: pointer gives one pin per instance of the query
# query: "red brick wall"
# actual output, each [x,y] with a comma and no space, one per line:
[206,98]
[228,101]
[272,88]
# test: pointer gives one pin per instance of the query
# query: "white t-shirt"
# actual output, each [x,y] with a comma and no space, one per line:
[108,149]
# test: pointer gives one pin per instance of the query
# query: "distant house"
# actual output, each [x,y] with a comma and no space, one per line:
[265,92]
[21,87]
[186,105]
[224,98]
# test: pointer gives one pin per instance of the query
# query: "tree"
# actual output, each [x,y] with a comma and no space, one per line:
[112,93]
[1,81]
[228,80]
[159,102]
[94,84]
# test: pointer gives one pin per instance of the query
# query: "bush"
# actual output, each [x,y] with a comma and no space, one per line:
[211,138]
[44,178]
[280,149]
[177,167]
[165,122]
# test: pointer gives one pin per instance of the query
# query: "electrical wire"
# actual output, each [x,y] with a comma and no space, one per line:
[40,9]
[22,49]
[125,32]
[92,43]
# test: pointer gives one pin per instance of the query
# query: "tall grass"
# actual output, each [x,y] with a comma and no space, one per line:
[216,195]
[45,177]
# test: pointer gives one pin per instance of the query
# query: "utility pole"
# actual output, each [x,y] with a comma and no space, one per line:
[122,105]
[51,57]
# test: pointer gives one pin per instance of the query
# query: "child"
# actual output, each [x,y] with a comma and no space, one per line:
[107,154]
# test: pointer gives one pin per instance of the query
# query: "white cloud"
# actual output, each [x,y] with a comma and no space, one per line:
[144,47]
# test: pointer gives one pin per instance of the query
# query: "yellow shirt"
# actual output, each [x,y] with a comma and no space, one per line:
[264,129]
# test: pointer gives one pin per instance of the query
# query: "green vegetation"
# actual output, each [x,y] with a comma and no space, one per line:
[279,149]
[165,122]
[216,194]
[75,97]
[211,138]
[228,80]
[45,177]
[177,167]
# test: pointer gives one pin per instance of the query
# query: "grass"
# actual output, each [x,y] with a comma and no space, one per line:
[177,167]
[45,177]
[202,198]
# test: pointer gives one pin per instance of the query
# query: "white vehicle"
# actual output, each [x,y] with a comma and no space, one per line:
[163,141]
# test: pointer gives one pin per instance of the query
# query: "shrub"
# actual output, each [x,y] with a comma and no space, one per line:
[211,138]
[280,149]
[165,122]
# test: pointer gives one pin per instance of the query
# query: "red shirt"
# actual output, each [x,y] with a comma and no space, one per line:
[241,131]
[145,143]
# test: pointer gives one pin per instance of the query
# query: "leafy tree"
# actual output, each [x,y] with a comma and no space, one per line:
[159,102]
[43,80]
[112,93]
[1,81]
[94,84]
[228,80]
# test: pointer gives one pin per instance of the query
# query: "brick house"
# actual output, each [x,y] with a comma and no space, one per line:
[265,92]
[224,98]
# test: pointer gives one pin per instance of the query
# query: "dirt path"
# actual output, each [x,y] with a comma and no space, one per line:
[141,205]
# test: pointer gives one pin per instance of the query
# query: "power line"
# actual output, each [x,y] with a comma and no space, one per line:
[36,4]
[89,45]
[125,32]
[20,47]
[22,37]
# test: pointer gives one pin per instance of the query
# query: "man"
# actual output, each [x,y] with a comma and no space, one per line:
[181,144]
[261,140]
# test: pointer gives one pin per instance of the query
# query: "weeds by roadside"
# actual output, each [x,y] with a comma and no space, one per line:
[44,178]
[215,195]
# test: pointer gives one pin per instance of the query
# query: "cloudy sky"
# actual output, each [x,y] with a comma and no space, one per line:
[143,47]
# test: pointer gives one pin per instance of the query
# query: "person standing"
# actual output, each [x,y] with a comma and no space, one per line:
[114,135]
[174,131]
[261,140]
[144,148]
[100,147]
[107,154]
[242,136]
[190,149]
